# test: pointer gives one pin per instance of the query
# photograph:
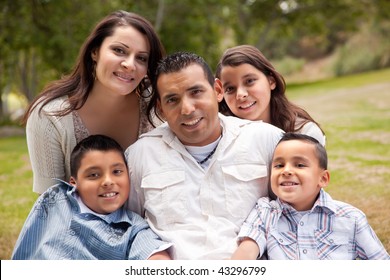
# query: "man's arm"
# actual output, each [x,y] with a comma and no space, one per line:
[163,255]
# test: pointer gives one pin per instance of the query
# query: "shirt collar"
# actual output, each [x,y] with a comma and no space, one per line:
[323,201]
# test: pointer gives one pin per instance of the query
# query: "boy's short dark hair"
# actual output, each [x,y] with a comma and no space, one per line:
[320,150]
[92,143]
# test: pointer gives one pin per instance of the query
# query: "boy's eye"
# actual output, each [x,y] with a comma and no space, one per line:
[93,175]
[279,165]
[118,172]
[300,165]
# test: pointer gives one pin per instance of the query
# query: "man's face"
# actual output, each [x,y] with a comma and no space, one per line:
[190,105]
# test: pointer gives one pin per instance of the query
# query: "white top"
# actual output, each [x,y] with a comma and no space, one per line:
[314,131]
[201,210]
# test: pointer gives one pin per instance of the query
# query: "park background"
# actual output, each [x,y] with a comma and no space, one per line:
[335,56]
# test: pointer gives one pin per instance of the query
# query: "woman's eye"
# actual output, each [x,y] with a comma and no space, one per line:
[119,50]
[143,58]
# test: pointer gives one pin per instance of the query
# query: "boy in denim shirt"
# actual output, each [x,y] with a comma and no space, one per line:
[85,219]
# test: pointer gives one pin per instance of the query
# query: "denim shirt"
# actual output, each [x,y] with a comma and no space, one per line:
[330,230]
[56,229]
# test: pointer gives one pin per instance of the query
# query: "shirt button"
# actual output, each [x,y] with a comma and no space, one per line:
[301,223]
[304,251]
[281,240]
[331,241]
[72,232]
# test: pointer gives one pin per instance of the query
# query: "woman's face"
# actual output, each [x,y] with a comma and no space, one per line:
[121,61]
[247,91]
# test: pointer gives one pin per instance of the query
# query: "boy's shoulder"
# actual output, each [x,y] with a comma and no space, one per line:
[55,192]
[341,208]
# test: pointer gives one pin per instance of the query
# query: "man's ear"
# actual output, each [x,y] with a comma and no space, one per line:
[159,109]
[218,89]
[325,178]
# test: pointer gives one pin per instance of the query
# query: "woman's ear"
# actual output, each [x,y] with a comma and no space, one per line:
[94,55]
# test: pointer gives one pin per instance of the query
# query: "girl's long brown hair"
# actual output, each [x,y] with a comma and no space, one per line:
[283,112]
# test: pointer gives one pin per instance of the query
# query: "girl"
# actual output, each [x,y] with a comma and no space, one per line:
[254,90]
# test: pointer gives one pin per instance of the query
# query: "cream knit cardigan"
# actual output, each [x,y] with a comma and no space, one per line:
[50,141]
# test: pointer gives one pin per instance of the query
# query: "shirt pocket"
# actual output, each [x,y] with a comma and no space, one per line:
[165,199]
[282,245]
[333,245]
[244,185]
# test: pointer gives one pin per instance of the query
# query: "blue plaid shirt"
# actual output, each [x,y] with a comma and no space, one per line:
[330,230]
[56,229]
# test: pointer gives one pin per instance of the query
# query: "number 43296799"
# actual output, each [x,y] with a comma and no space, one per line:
[238,270]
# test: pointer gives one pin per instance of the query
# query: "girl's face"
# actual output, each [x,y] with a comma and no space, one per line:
[247,91]
[121,61]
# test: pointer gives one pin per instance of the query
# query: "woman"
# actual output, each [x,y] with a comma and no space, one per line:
[106,93]
[254,90]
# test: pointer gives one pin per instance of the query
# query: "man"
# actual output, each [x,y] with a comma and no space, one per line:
[196,177]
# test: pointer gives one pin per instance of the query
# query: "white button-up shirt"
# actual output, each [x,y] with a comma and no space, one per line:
[201,210]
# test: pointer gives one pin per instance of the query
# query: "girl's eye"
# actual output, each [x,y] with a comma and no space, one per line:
[250,81]
[278,166]
[229,90]
[300,165]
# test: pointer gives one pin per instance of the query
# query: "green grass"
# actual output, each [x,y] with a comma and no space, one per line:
[350,81]
[16,193]
[354,111]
